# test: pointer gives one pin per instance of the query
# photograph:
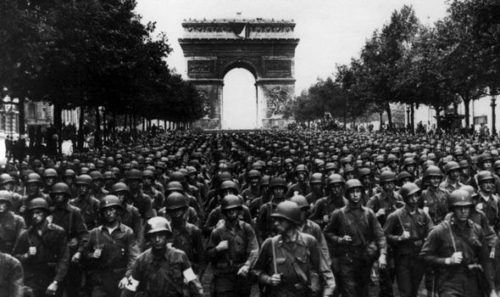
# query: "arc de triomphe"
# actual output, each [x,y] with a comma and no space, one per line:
[264,47]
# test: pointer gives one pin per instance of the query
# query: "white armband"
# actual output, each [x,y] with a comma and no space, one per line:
[189,275]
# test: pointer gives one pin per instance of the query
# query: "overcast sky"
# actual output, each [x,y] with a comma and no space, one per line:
[331,31]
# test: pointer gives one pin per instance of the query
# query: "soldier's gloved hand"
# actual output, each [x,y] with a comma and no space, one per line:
[222,246]
[380,212]
[346,239]
[51,289]
[382,261]
[456,258]
[243,270]
[123,282]
[275,279]
[76,257]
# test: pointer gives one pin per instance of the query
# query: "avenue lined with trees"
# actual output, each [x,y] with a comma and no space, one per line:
[96,55]
[457,59]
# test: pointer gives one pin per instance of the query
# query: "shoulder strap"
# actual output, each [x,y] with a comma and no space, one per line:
[452,237]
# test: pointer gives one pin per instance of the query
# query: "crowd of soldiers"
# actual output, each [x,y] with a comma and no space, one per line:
[267,213]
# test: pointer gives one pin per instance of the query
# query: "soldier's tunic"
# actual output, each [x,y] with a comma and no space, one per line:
[461,279]
[11,276]
[296,261]
[350,260]
[11,226]
[50,261]
[162,275]
[118,250]
[409,267]
[242,251]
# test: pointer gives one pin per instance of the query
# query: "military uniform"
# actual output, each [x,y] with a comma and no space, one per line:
[11,226]
[162,275]
[408,267]
[50,261]
[352,260]
[242,251]
[323,209]
[11,276]
[117,251]
[296,261]
[462,279]
[89,209]
[435,202]
[188,238]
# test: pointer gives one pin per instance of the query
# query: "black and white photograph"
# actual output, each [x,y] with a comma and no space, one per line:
[249,148]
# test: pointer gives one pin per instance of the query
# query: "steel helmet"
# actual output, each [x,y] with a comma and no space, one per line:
[191,170]
[175,201]
[60,188]
[69,173]
[484,175]
[119,187]
[335,179]
[432,170]
[496,165]
[352,184]
[387,176]
[231,202]
[110,201]
[157,225]
[133,174]
[84,179]
[301,201]
[265,180]
[485,157]
[409,161]
[174,186]
[229,184]
[402,175]
[409,189]
[109,175]
[177,176]
[277,182]
[254,174]
[6,178]
[289,211]
[316,178]
[331,166]
[33,178]
[50,173]
[300,168]
[450,166]
[362,172]
[461,197]
[148,174]
[6,196]
[38,203]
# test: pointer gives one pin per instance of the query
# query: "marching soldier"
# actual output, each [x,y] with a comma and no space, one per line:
[458,249]
[43,251]
[162,271]
[232,249]
[110,252]
[287,261]
[11,276]
[88,204]
[11,224]
[406,229]
[324,207]
[358,240]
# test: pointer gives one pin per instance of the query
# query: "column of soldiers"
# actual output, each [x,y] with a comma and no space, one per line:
[255,214]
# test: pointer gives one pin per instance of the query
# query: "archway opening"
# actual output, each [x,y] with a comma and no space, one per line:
[239,100]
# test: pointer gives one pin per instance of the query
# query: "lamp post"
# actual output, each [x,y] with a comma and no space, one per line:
[493,110]
[408,121]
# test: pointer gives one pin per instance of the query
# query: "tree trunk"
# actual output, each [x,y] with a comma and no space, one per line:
[412,118]
[104,126]
[97,135]
[381,115]
[81,129]
[125,121]
[389,115]
[467,111]
[20,107]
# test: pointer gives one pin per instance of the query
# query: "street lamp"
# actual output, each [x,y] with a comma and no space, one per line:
[493,110]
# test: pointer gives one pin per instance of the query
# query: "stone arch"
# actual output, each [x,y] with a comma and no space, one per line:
[266,48]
